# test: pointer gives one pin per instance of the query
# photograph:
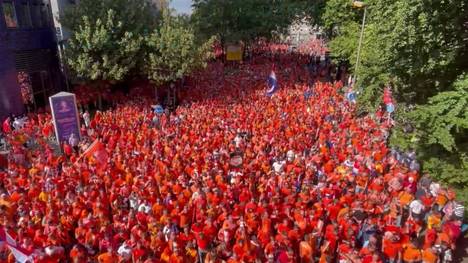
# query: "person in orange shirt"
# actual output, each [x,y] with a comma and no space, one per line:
[429,255]
[434,219]
[411,253]
[176,256]
[305,250]
[405,197]
[108,257]
[391,247]
[77,255]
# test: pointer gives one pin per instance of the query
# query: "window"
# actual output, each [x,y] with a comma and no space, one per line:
[24,80]
[9,14]
[41,86]
[45,15]
[25,15]
[58,32]
[36,15]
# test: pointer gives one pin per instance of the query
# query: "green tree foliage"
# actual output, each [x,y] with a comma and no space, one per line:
[419,47]
[138,15]
[445,118]
[441,134]
[101,50]
[174,52]
[413,43]
[107,41]
[247,20]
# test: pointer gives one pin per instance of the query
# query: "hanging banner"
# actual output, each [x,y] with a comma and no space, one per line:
[65,116]
[234,53]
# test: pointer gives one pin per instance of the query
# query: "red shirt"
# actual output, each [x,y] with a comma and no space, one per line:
[283,257]
[138,253]
[67,149]
[202,243]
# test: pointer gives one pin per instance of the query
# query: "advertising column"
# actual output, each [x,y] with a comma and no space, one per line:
[65,116]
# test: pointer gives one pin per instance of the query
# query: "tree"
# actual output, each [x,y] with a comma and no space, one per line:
[174,52]
[420,49]
[246,20]
[138,15]
[107,38]
[440,135]
[101,51]
[413,44]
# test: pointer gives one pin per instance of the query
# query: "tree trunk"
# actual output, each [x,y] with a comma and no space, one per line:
[156,94]
[223,48]
[100,101]
[99,86]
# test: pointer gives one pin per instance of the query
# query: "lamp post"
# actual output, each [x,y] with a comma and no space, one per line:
[360,4]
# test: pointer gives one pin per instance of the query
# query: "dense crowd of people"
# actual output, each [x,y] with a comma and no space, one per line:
[230,176]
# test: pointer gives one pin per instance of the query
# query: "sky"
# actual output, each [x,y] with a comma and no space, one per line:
[182,6]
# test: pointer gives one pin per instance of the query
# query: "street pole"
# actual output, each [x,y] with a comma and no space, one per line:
[360,44]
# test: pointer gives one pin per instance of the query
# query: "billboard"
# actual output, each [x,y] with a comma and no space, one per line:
[234,53]
[65,116]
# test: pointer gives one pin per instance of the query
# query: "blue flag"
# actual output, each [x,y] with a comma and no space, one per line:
[272,84]
[351,96]
[158,109]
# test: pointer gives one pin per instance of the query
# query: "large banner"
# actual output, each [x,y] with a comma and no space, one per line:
[65,116]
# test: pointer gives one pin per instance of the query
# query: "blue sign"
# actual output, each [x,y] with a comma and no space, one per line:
[65,116]
[390,108]
[158,109]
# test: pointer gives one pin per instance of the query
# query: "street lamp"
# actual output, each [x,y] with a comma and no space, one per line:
[359,4]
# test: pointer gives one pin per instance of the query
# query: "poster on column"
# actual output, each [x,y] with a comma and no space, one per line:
[65,116]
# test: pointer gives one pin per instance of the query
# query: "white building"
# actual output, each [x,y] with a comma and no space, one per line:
[58,11]
[302,31]
[63,34]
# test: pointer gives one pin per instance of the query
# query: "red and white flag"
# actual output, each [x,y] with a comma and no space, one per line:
[21,255]
[6,237]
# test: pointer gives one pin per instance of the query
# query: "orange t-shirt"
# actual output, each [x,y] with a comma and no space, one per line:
[405,198]
[107,258]
[428,256]
[412,254]
[305,251]
[176,259]
[391,249]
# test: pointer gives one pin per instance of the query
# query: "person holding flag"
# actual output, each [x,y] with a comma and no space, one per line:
[6,125]
[388,100]
[272,83]
[20,254]
[351,95]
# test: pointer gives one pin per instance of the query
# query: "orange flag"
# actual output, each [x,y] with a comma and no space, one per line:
[97,152]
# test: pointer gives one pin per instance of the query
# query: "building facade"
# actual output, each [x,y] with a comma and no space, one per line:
[29,63]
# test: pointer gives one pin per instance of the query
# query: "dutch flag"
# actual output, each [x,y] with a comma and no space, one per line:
[272,84]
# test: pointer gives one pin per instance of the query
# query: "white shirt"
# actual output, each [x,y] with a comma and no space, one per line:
[124,251]
[167,232]
[237,141]
[144,208]
[86,119]
[434,188]
[278,166]
[416,207]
